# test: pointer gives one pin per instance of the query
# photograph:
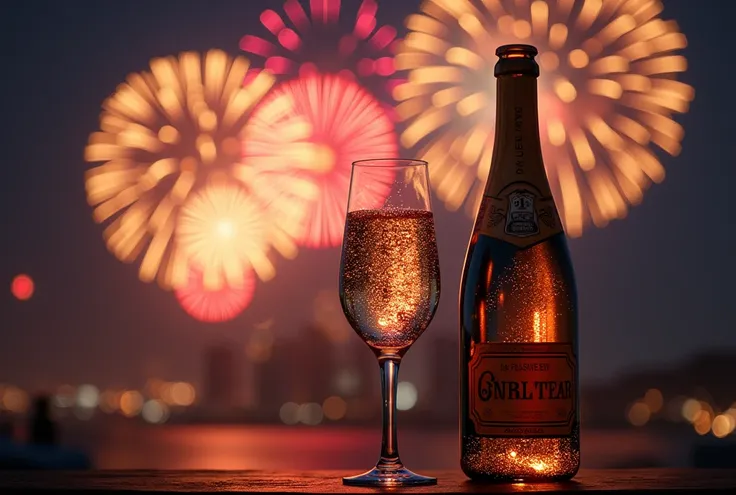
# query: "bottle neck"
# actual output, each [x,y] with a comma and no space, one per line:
[517,152]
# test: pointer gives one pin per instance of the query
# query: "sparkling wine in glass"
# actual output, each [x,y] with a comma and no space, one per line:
[389,283]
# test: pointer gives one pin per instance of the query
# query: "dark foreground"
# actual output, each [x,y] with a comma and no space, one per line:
[649,481]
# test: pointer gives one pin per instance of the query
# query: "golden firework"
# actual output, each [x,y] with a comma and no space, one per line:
[163,134]
[608,90]
[223,231]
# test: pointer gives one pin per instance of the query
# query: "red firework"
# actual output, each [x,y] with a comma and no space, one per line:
[346,124]
[303,45]
[214,304]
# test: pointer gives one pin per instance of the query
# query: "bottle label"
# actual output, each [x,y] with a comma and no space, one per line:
[519,214]
[523,390]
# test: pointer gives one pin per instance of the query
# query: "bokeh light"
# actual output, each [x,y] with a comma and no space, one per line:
[289,413]
[346,124]
[347,381]
[690,409]
[131,403]
[64,396]
[334,408]
[110,401]
[638,414]
[14,399]
[722,426]
[83,413]
[182,394]
[654,400]
[155,412]
[88,396]
[310,413]
[406,396]
[607,92]
[303,42]
[22,287]
[702,422]
[163,134]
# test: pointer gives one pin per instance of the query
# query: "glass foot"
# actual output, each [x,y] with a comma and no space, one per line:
[389,477]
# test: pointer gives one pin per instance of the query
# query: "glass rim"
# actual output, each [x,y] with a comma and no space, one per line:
[390,162]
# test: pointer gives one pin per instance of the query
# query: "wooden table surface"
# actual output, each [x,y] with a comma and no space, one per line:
[609,481]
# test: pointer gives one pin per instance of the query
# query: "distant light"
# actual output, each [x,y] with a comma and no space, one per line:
[15,400]
[310,414]
[731,413]
[164,393]
[154,411]
[638,414]
[289,413]
[64,396]
[131,403]
[84,413]
[406,396]
[88,396]
[702,422]
[347,382]
[690,409]
[22,287]
[182,394]
[722,426]
[334,408]
[731,420]
[654,400]
[109,401]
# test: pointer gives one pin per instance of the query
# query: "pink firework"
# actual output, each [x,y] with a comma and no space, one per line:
[303,44]
[214,303]
[345,124]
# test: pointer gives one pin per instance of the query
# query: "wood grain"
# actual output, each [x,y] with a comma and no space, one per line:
[649,481]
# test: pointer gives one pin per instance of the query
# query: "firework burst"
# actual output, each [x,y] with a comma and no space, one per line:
[303,44]
[212,301]
[164,133]
[224,232]
[344,123]
[608,91]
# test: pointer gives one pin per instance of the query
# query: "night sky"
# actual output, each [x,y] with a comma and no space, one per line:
[653,288]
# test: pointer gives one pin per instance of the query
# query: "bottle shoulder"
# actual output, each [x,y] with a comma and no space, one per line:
[493,256]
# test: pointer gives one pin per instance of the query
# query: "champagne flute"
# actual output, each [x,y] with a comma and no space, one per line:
[389,284]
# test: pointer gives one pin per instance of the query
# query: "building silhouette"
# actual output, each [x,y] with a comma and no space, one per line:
[300,370]
[221,377]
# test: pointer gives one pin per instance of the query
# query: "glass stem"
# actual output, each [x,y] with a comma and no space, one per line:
[389,380]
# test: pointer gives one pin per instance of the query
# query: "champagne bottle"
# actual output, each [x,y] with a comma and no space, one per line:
[518,305]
